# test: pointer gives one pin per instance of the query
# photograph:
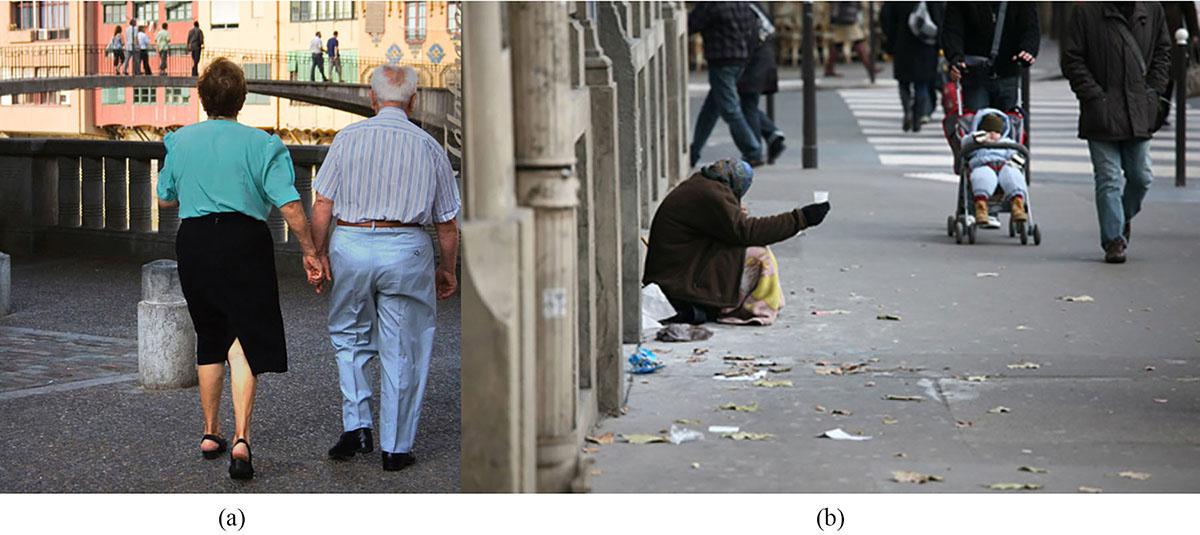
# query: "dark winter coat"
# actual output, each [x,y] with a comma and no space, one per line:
[729,30]
[915,61]
[698,241]
[761,75]
[968,27]
[1117,101]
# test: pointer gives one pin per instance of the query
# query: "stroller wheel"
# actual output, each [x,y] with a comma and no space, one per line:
[1023,232]
[1037,234]
[971,233]
[958,231]
[950,226]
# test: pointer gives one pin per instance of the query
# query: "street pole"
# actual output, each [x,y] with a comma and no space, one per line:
[1181,58]
[807,43]
[872,43]
[1028,109]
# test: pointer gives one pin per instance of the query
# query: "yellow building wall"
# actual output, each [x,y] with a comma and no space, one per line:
[73,118]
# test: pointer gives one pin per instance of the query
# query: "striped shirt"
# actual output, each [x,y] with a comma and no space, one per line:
[387,169]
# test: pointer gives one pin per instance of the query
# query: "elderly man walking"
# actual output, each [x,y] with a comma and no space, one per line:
[383,179]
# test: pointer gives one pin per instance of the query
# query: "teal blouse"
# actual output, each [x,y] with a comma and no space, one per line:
[224,166]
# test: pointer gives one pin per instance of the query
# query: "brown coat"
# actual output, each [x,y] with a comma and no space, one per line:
[1117,101]
[698,242]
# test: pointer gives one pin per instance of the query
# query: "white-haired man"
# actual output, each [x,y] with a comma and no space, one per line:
[383,179]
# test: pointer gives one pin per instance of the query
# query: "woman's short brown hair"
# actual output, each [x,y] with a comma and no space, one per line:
[222,88]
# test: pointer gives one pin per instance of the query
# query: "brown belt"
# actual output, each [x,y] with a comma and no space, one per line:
[377,224]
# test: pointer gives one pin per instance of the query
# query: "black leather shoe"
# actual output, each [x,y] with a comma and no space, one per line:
[351,442]
[397,461]
[775,149]
[239,469]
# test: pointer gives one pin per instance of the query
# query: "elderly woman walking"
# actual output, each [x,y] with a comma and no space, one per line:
[224,177]
[710,257]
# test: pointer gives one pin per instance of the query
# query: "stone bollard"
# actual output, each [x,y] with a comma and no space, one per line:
[166,339]
[5,284]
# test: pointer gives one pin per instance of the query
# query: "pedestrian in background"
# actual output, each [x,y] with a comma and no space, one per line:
[316,50]
[382,181]
[334,50]
[846,26]
[195,43]
[224,177]
[132,53]
[910,30]
[728,29]
[144,50]
[968,33]
[162,43]
[116,47]
[1117,57]
[761,77]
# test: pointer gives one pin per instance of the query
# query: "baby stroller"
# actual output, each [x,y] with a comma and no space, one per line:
[955,126]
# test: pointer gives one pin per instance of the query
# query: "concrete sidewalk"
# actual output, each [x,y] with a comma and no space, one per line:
[1117,387]
[75,419]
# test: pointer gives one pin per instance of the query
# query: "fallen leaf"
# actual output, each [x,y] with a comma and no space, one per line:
[821,363]
[694,359]
[643,439]
[828,371]
[1077,298]
[841,412]
[596,471]
[606,438]
[695,466]
[737,371]
[888,317]
[1149,368]
[869,384]
[986,274]
[753,407]
[1139,476]
[819,408]
[1032,469]
[977,378]
[1024,366]
[590,449]
[1091,490]
[894,397]
[685,421]
[900,476]
[739,357]
[888,420]
[779,369]
[1159,400]
[963,423]
[999,409]
[772,384]
[700,351]
[1014,486]
[899,455]
[744,435]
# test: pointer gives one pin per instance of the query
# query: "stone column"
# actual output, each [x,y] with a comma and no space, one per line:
[5,284]
[545,182]
[116,195]
[92,173]
[675,41]
[141,198]
[304,176]
[168,218]
[166,338]
[68,191]
[277,225]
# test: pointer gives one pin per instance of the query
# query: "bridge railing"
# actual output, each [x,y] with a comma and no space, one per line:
[24,62]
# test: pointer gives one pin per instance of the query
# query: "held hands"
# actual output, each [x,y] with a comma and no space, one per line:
[814,213]
[317,270]
[447,283]
[1025,57]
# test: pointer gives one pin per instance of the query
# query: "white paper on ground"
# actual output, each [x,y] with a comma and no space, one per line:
[655,304]
[760,374]
[723,429]
[838,434]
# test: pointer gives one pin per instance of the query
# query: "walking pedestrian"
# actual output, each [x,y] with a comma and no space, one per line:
[846,26]
[335,57]
[195,43]
[727,29]
[116,47]
[132,51]
[761,77]
[162,43]
[383,179]
[144,50]
[224,177]
[911,30]
[1117,57]
[990,66]
[316,49]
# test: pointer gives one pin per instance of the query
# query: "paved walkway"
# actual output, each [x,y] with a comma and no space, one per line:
[75,419]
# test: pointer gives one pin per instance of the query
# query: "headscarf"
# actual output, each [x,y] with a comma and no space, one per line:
[736,174]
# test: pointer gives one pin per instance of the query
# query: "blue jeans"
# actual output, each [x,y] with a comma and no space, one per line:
[723,100]
[757,119]
[999,93]
[382,304]
[1123,175]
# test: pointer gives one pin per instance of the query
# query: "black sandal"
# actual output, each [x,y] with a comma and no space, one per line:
[213,454]
[239,469]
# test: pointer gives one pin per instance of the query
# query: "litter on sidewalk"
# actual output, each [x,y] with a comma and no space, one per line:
[722,429]
[655,307]
[756,376]
[838,434]
[679,332]
[644,361]
[679,435]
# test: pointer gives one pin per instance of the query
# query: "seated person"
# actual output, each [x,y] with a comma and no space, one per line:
[992,166]
[710,258]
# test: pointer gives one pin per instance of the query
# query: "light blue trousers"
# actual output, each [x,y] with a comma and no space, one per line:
[984,180]
[1123,176]
[383,303]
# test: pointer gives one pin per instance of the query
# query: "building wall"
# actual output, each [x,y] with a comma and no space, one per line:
[70,112]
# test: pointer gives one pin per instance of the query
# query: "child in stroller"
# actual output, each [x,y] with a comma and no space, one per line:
[992,167]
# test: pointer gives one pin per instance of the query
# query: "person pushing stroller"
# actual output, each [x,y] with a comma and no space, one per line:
[990,167]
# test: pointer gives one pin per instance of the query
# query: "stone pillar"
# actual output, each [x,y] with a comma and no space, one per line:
[141,198]
[304,176]
[92,173]
[545,182]
[5,284]
[675,41]
[277,225]
[166,338]
[68,191]
[116,195]
[168,218]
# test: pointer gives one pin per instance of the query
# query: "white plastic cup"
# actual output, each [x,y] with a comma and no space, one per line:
[820,196]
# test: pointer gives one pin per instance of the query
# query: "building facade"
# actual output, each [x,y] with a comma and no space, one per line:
[52,27]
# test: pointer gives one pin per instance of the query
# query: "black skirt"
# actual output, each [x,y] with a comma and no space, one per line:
[227,272]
